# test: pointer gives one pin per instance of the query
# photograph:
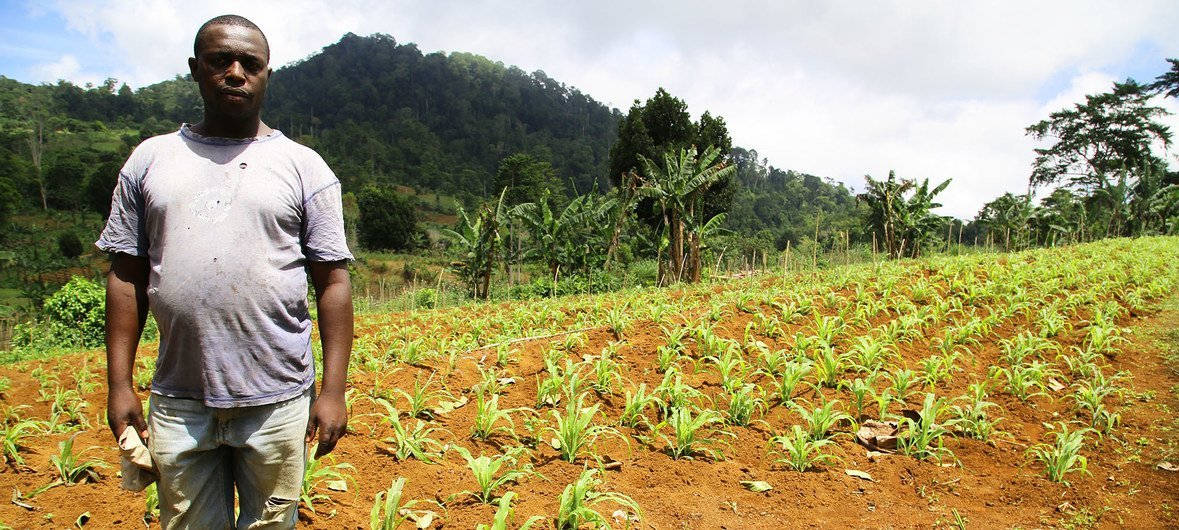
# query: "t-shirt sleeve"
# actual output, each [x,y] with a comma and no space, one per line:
[125,231]
[323,236]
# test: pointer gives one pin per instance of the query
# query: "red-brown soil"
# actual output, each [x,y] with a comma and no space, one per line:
[993,485]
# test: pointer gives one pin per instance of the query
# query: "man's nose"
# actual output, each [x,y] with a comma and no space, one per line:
[235,73]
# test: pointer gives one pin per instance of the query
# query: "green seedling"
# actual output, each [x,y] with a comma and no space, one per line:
[72,467]
[1063,456]
[820,420]
[688,433]
[491,473]
[316,473]
[799,451]
[922,437]
[576,505]
[575,430]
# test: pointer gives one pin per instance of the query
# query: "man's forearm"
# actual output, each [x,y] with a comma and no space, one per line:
[335,328]
[126,312]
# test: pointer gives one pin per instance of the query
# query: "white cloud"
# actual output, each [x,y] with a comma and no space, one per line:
[65,67]
[838,89]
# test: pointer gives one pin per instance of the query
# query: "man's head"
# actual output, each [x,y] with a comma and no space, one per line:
[231,65]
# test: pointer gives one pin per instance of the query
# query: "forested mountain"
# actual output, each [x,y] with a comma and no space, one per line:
[381,113]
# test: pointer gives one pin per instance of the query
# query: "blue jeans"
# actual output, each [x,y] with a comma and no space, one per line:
[203,453]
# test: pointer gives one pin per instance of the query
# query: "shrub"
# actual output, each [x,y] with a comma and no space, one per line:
[388,221]
[69,245]
[72,317]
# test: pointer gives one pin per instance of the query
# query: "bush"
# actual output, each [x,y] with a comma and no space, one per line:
[425,298]
[72,317]
[388,221]
[69,245]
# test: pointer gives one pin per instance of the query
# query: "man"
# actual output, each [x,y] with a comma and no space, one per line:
[215,227]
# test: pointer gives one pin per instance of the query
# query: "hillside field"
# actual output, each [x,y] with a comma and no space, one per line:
[991,369]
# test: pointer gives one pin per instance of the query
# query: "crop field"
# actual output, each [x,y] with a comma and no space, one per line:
[1010,390]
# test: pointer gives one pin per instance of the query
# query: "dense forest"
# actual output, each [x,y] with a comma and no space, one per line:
[382,114]
[539,173]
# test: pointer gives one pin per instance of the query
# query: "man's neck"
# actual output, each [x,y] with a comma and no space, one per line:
[226,128]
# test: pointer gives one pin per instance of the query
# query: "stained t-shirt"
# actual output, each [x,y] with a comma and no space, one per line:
[228,226]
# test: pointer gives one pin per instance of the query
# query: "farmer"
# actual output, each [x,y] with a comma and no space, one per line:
[215,227]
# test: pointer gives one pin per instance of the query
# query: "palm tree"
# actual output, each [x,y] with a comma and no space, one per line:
[677,187]
[899,212]
[477,240]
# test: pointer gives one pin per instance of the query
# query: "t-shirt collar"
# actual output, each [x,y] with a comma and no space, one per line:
[187,132]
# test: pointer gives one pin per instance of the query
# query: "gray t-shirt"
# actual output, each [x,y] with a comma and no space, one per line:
[228,227]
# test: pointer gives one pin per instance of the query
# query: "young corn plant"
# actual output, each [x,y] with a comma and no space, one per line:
[731,369]
[618,318]
[792,374]
[869,354]
[1026,381]
[12,437]
[1090,395]
[1064,455]
[688,433]
[820,420]
[490,419]
[576,505]
[799,451]
[635,406]
[606,374]
[72,467]
[828,329]
[743,404]
[828,366]
[420,398]
[937,369]
[491,473]
[316,473]
[922,438]
[1052,323]
[863,394]
[772,362]
[575,430]
[666,358]
[388,513]
[674,394]
[417,442]
[901,382]
[971,418]
[504,513]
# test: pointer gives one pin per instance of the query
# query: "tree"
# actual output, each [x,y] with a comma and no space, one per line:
[388,221]
[661,125]
[477,239]
[1007,219]
[677,186]
[1093,140]
[900,213]
[524,178]
[1167,83]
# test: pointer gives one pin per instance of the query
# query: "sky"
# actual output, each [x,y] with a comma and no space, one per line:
[840,89]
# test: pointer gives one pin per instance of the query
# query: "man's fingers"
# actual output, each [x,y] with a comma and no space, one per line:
[327,442]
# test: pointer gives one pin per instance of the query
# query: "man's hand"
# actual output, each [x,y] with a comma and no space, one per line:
[123,409]
[329,416]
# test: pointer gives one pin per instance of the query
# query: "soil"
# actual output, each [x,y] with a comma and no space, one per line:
[993,484]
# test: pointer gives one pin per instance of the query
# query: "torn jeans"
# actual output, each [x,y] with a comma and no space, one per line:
[203,453]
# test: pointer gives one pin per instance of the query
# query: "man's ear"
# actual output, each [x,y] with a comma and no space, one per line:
[192,67]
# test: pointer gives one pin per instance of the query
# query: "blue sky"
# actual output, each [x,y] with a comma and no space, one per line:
[838,88]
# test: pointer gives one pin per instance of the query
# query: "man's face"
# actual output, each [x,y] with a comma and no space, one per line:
[232,69]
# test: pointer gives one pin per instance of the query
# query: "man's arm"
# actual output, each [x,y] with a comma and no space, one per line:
[126,313]
[333,296]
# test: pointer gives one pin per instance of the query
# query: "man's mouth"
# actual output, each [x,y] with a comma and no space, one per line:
[235,94]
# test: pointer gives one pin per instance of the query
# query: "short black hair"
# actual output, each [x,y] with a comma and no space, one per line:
[228,20]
